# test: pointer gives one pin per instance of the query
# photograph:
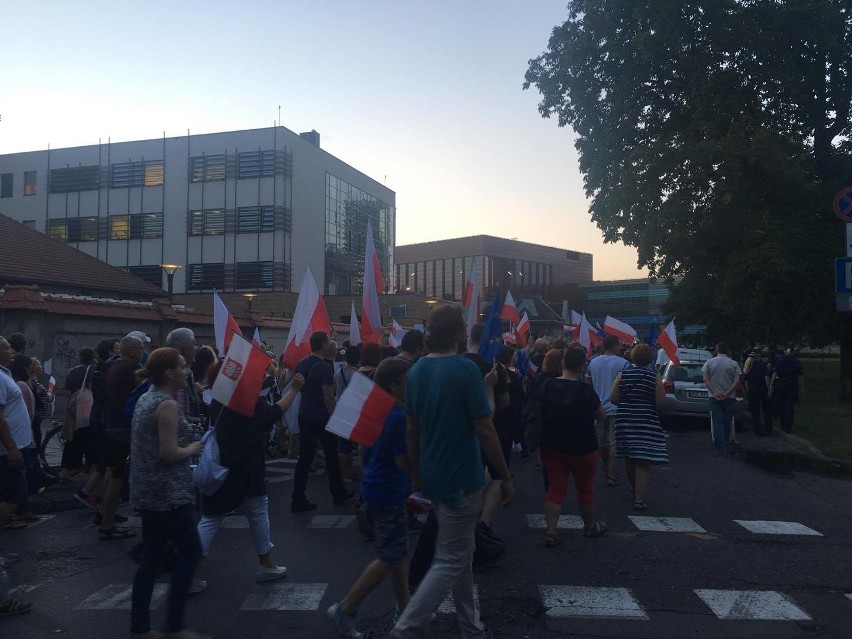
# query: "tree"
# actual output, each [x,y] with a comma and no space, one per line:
[712,137]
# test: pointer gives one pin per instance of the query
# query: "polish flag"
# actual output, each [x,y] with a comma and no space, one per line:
[371,316]
[510,338]
[396,334]
[310,315]
[667,340]
[510,310]
[470,299]
[585,336]
[255,339]
[522,330]
[361,411]
[576,318]
[224,324]
[51,385]
[241,377]
[354,329]
[620,329]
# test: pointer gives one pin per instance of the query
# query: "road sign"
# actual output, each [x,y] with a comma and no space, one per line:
[844,302]
[843,204]
[843,275]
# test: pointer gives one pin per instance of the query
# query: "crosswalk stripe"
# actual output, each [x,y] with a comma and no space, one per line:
[118,597]
[765,605]
[331,521]
[570,522]
[590,602]
[666,524]
[285,596]
[448,606]
[777,528]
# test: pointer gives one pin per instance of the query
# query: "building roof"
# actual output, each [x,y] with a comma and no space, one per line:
[29,257]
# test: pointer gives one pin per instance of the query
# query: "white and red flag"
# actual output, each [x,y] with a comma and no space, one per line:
[396,334]
[510,338]
[241,377]
[522,330]
[470,299]
[510,310]
[51,384]
[224,325]
[310,315]
[354,329]
[585,336]
[667,340]
[255,339]
[371,315]
[621,330]
[361,411]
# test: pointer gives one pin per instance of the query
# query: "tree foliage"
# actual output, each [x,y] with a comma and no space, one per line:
[712,136]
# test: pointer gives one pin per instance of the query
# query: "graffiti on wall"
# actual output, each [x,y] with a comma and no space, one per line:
[64,354]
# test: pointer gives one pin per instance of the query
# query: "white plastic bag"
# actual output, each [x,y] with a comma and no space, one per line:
[209,475]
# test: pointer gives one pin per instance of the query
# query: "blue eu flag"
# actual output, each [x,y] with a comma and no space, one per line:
[492,332]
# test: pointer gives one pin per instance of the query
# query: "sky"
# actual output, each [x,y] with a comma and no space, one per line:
[425,97]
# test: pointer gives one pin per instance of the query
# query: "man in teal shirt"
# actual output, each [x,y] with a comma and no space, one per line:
[448,424]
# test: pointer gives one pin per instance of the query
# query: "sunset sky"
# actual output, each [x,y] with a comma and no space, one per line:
[423,96]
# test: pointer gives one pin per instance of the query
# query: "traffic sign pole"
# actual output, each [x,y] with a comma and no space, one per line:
[849,240]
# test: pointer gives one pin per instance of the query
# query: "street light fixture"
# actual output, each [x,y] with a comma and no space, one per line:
[249,297]
[170,270]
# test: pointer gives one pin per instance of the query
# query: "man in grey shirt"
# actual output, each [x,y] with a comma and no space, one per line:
[722,376]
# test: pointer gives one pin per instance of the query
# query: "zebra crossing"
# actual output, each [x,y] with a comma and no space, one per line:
[559,601]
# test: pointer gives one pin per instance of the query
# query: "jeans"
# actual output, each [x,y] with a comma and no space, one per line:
[309,433]
[450,571]
[158,528]
[256,510]
[721,418]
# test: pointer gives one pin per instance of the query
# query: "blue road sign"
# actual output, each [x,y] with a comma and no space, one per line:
[843,271]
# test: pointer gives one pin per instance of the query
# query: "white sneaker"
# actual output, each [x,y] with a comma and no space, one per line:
[197,585]
[270,574]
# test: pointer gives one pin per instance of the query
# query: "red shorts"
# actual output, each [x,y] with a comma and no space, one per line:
[559,466]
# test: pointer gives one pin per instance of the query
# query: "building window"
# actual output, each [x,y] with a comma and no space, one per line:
[30,182]
[75,178]
[256,164]
[136,227]
[207,222]
[205,276]
[74,229]
[255,219]
[152,274]
[254,275]
[6,184]
[207,168]
[127,174]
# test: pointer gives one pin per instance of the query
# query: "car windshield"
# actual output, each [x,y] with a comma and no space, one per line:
[686,372]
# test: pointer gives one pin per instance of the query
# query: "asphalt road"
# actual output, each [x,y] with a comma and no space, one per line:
[701,575]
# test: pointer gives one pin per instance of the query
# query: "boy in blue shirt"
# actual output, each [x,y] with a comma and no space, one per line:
[384,488]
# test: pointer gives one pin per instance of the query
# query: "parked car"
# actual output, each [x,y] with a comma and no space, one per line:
[683,354]
[686,393]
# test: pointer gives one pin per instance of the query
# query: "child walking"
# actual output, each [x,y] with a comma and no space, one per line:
[384,488]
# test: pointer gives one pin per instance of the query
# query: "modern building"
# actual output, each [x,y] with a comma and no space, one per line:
[440,269]
[639,302]
[241,211]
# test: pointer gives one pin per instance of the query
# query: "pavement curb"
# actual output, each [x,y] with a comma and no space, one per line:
[790,452]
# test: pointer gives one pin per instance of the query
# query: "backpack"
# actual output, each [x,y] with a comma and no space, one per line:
[130,405]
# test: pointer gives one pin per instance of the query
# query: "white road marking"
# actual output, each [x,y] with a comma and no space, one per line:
[41,520]
[331,521]
[285,596]
[777,528]
[583,601]
[572,522]
[766,605]
[448,606]
[666,524]
[117,597]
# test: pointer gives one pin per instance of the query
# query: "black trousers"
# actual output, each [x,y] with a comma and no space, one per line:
[310,433]
[761,413]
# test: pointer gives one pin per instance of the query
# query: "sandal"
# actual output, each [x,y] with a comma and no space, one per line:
[551,540]
[597,530]
[115,533]
[15,606]
[640,505]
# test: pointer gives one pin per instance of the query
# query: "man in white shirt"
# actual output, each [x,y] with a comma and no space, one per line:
[602,372]
[15,434]
[722,376]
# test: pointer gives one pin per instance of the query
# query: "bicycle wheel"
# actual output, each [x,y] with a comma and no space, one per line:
[50,453]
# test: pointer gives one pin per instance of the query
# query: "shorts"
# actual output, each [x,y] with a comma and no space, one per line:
[605,431]
[92,444]
[391,527]
[13,482]
[117,451]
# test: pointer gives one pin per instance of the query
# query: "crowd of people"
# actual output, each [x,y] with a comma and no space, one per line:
[136,415]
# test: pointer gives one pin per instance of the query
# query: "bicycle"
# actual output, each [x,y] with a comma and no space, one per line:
[51,449]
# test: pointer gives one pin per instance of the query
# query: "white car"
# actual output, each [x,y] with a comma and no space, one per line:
[686,394]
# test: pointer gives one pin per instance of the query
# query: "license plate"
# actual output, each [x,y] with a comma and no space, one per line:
[697,394]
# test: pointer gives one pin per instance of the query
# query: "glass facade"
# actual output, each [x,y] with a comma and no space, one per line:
[347,210]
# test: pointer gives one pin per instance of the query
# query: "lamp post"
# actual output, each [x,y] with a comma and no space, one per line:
[170,270]
[249,297]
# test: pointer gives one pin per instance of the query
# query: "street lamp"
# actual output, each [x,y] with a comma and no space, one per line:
[170,270]
[249,297]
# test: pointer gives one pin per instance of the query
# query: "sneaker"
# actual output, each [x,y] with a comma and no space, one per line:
[345,623]
[89,501]
[344,497]
[302,506]
[365,526]
[197,586]
[487,531]
[119,519]
[270,574]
